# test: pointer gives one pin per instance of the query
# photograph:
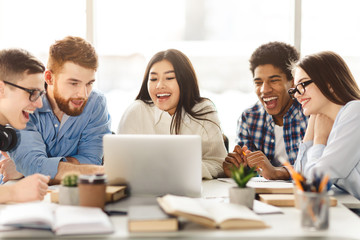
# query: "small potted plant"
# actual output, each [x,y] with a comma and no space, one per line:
[241,194]
[69,192]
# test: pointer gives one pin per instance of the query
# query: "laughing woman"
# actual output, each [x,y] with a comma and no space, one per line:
[169,102]
[329,94]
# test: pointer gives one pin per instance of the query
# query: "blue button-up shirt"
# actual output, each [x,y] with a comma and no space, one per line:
[256,131]
[42,144]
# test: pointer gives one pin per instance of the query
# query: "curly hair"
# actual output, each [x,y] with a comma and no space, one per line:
[278,54]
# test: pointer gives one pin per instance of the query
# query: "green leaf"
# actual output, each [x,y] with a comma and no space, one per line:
[242,175]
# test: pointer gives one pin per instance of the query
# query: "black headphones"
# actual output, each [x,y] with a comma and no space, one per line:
[8,138]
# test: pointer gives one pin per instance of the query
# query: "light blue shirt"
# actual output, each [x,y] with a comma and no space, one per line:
[340,158]
[42,144]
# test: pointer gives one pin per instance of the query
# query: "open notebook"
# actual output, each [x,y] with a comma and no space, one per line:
[61,219]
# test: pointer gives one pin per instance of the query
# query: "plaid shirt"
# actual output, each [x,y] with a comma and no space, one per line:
[255,129]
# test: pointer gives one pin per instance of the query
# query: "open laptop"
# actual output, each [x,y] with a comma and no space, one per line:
[154,165]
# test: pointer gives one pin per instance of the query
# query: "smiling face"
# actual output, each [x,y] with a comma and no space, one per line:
[163,87]
[15,104]
[71,87]
[312,101]
[271,86]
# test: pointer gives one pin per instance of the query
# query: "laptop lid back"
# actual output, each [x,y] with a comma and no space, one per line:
[154,165]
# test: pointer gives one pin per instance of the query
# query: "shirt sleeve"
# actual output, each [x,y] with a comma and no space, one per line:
[301,159]
[90,146]
[30,154]
[342,153]
[243,135]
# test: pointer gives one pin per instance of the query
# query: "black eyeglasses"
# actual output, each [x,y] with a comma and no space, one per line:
[34,93]
[299,88]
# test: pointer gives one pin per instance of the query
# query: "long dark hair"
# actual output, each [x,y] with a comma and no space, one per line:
[332,76]
[188,85]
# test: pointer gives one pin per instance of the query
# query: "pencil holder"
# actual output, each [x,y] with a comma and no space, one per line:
[314,210]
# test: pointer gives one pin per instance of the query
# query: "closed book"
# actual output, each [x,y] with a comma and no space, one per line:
[113,193]
[150,218]
[211,214]
[285,200]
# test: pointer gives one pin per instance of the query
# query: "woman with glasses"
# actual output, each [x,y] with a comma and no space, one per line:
[329,94]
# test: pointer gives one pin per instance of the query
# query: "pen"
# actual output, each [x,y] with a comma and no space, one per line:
[115,212]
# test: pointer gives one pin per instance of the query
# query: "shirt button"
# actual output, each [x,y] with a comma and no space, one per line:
[272,140]
[56,125]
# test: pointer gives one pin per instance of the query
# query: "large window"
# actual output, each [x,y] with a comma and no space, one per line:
[332,25]
[217,35]
[35,25]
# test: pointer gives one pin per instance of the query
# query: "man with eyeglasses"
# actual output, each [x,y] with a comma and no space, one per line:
[21,85]
[66,133]
[269,132]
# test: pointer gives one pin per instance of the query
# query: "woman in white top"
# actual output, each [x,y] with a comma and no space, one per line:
[169,102]
[328,93]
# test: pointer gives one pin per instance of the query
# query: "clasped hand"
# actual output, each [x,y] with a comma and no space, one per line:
[256,159]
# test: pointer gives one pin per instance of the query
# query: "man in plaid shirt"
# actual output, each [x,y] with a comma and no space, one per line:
[270,131]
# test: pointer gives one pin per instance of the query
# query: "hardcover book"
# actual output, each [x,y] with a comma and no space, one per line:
[150,218]
[211,214]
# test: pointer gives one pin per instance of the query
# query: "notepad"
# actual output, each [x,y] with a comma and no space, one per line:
[263,185]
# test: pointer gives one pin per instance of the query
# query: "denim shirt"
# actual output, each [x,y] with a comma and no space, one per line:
[42,144]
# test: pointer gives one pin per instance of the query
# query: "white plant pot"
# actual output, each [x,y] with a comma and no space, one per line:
[68,195]
[242,196]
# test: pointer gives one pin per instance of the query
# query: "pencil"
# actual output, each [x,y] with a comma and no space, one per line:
[293,173]
[323,183]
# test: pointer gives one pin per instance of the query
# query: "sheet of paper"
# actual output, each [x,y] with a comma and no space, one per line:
[263,208]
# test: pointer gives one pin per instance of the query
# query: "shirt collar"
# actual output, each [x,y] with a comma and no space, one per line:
[293,110]
[158,114]
[46,105]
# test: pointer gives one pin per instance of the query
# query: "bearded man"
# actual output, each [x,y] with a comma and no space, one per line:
[66,133]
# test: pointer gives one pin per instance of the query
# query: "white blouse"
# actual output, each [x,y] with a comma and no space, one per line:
[142,118]
[340,157]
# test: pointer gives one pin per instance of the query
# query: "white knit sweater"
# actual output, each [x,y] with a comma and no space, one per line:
[142,118]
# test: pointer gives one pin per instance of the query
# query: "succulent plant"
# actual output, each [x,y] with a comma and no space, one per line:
[70,180]
[242,175]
